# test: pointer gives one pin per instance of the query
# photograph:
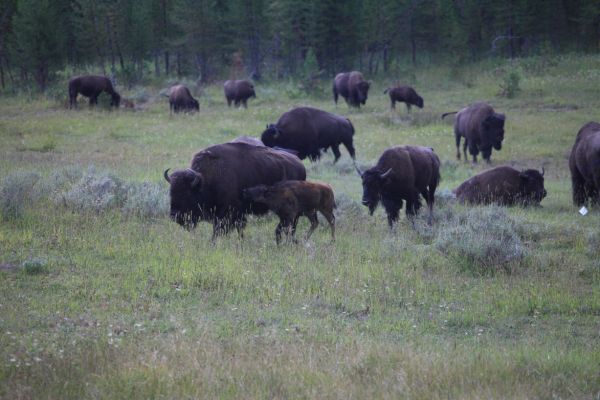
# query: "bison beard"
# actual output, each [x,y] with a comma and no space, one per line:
[584,164]
[309,130]
[211,190]
[402,173]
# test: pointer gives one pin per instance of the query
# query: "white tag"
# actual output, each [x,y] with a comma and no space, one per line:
[583,211]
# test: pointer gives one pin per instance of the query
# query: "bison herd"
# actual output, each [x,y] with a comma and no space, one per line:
[227,182]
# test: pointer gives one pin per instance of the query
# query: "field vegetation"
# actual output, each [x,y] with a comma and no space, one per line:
[102,296]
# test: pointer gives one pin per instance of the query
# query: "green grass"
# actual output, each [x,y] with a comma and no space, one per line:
[110,303]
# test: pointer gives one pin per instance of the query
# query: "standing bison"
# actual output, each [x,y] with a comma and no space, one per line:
[307,130]
[211,190]
[181,99]
[406,95]
[402,173]
[584,163]
[504,186]
[352,87]
[238,91]
[482,129]
[91,86]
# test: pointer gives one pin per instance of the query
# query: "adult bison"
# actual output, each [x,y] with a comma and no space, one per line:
[402,173]
[180,99]
[307,130]
[352,87]
[584,163]
[211,190]
[404,94]
[482,129]
[238,92]
[503,185]
[91,86]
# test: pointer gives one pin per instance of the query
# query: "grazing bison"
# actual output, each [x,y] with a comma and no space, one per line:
[238,91]
[292,199]
[402,173]
[91,86]
[352,87]
[181,99]
[505,186]
[584,163]
[211,190]
[406,95]
[307,130]
[482,129]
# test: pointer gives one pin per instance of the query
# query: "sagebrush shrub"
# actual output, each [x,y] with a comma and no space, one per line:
[17,191]
[146,199]
[94,192]
[482,239]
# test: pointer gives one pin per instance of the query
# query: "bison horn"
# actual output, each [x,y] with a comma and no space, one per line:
[543,171]
[197,177]
[358,170]
[167,175]
[386,173]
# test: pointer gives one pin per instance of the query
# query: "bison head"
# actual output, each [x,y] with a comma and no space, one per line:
[256,194]
[116,100]
[194,105]
[362,91]
[373,181]
[252,92]
[419,101]
[492,134]
[531,187]
[186,196]
[271,136]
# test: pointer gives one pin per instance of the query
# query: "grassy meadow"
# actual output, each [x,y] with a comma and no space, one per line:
[103,297]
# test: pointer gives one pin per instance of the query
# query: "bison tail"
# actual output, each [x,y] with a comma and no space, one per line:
[448,113]
[351,127]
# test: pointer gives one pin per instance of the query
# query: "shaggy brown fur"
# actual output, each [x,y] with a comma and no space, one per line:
[402,173]
[584,163]
[91,86]
[180,99]
[238,92]
[406,95]
[352,87]
[505,186]
[292,199]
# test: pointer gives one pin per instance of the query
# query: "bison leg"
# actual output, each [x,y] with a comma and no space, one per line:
[350,148]
[407,108]
[240,225]
[314,222]
[393,104]
[412,204]
[228,102]
[336,152]
[236,102]
[472,149]
[335,95]
[245,103]
[328,214]
[93,100]
[457,139]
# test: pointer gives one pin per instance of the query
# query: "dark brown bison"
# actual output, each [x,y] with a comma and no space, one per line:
[211,190]
[307,130]
[482,129]
[352,87]
[180,99]
[292,199]
[238,91]
[402,173]
[584,163]
[406,95]
[505,186]
[91,86]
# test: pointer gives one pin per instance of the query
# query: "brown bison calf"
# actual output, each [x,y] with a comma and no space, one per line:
[406,95]
[584,164]
[292,199]
[505,186]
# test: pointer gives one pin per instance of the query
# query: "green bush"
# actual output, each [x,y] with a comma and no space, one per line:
[510,83]
[16,192]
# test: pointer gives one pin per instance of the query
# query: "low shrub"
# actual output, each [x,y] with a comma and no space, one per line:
[16,192]
[148,200]
[94,192]
[481,239]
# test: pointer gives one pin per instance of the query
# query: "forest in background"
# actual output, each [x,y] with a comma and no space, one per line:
[137,40]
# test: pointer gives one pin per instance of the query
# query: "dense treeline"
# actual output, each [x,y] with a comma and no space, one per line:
[212,39]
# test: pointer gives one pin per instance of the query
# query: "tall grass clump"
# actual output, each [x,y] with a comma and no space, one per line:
[16,192]
[147,200]
[481,240]
[510,82]
[94,192]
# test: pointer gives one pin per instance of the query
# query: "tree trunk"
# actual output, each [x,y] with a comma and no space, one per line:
[2,74]
[110,44]
[167,64]
[156,64]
